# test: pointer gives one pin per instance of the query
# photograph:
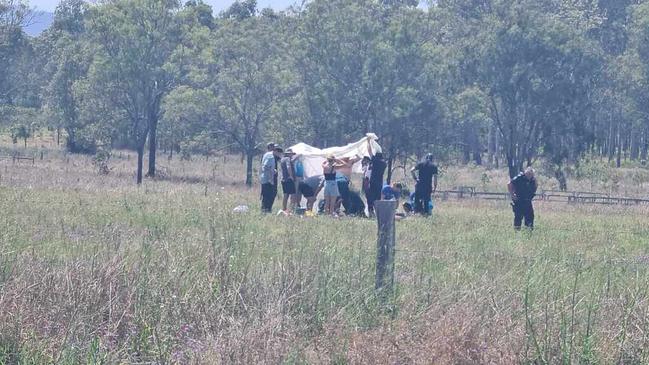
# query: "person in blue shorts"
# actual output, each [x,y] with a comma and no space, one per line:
[331,193]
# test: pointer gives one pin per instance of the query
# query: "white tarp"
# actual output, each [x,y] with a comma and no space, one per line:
[313,157]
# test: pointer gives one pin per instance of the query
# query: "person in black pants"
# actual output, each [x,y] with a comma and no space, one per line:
[522,189]
[425,175]
[268,178]
[375,184]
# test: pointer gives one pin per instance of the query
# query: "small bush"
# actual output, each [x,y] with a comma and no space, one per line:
[100,161]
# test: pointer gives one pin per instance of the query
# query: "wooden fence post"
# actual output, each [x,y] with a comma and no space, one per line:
[385,244]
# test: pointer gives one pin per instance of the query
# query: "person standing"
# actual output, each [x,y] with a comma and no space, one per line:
[343,179]
[425,175]
[522,189]
[331,192]
[268,178]
[375,184]
[288,179]
[299,177]
[367,172]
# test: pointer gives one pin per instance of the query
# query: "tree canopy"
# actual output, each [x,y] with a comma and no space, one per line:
[518,81]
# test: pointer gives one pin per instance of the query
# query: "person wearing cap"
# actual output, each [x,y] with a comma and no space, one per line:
[425,176]
[522,189]
[268,178]
[270,147]
[288,179]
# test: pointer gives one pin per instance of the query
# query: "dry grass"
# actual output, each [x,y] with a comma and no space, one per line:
[96,270]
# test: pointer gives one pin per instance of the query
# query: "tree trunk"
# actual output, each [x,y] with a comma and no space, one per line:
[140,160]
[512,167]
[644,147]
[611,142]
[477,151]
[58,136]
[466,146]
[618,161]
[250,155]
[561,177]
[496,150]
[153,145]
[635,146]
[390,161]
[25,139]
[491,146]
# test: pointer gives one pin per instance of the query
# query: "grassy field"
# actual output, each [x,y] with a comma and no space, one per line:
[96,270]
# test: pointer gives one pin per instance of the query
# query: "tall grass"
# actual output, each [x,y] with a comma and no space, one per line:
[96,271]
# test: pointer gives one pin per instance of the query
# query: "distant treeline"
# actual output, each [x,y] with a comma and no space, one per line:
[499,82]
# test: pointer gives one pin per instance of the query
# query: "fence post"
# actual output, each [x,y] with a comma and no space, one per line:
[385,244]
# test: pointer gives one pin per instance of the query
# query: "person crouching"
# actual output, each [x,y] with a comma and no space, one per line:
[310,188]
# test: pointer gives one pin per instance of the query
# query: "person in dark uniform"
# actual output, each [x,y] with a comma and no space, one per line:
[289,186]
[425,175]
[375,184]
[522,189]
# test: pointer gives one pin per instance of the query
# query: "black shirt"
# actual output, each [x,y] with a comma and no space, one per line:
[426,171]
[524,188]
[378,169]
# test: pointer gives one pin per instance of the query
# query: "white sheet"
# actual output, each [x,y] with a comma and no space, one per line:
[313,157]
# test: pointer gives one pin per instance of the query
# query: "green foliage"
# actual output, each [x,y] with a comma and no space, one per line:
[189,116]
[134,41]
[13,43]
[100,161]
[519,80]
[253,84]
[159,266]
[20,131]
[241,10]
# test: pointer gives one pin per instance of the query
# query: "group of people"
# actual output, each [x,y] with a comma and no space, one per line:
[335,183]
[336,178]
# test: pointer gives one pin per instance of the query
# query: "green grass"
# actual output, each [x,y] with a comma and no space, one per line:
[95,270]
[137,276]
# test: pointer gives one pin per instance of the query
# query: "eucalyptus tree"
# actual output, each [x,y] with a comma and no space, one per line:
[14,14]
[536,66]
[254,81]
[134,41]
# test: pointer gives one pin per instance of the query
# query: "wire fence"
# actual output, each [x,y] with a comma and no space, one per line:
[575,197]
